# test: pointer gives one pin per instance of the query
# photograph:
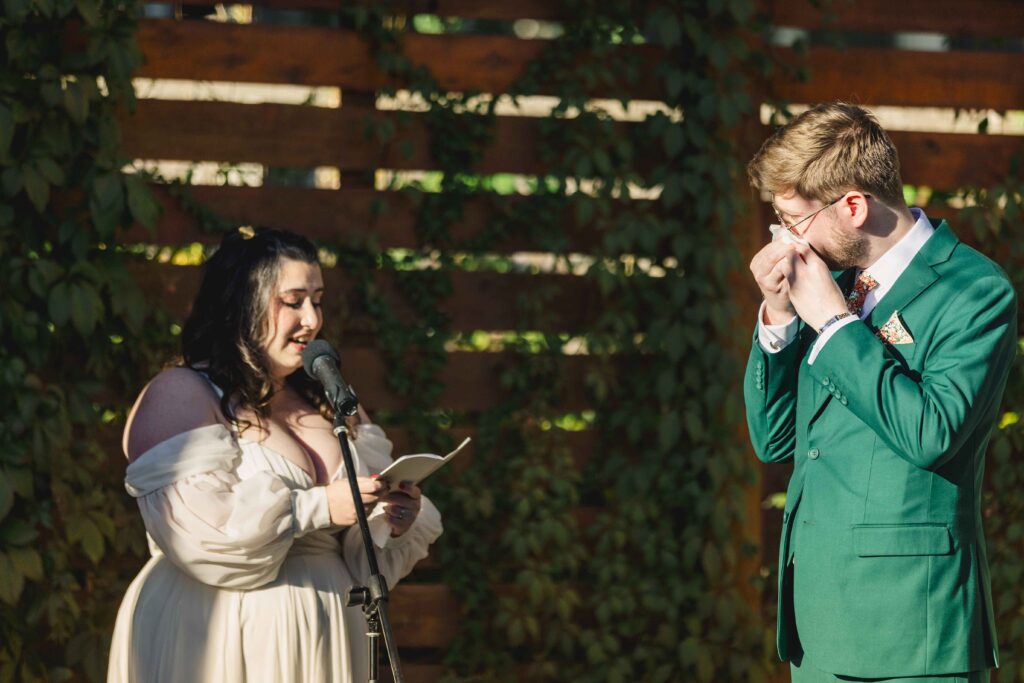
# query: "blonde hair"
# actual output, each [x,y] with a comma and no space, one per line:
[827,151]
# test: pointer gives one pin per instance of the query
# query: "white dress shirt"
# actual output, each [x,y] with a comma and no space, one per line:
[886,270]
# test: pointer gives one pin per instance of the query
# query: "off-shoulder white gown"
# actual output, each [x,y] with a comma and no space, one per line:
[247,577]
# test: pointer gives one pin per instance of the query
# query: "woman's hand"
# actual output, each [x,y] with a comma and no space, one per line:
[339,498]
[401,506]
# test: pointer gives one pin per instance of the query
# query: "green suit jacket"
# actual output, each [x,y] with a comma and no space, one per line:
[882,519]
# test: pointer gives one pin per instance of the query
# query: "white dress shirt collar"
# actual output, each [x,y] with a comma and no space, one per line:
[888,268]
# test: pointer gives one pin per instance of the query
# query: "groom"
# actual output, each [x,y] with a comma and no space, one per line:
[881,381]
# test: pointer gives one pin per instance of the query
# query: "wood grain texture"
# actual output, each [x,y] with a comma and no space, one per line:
[357,216]
[986,80]
[482,300]
[304,137]
[469,9]
[980,18]
[306,55]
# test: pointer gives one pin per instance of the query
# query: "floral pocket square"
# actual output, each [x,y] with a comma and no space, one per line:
[894,332]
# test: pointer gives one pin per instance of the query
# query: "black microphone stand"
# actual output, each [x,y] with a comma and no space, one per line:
[373,597]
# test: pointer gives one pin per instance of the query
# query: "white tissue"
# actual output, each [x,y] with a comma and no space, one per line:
[778,233]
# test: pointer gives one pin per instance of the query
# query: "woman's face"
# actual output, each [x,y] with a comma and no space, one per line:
[294,316]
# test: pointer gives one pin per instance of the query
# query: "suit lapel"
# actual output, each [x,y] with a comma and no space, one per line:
[918,276]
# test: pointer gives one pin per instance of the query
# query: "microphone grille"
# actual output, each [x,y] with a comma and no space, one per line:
[315,349]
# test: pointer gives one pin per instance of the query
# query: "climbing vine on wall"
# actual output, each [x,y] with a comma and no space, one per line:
[624,562]
[651,585]
[74,327]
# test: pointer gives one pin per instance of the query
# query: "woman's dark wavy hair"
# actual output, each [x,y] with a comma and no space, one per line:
[222,334]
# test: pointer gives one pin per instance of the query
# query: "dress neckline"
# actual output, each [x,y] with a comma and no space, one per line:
[234,430]
[289,461]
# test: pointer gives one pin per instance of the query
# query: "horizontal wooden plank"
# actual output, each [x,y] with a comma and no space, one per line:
[354,216]
[948,161]
[290,136]
[901,77]
[981,18]
[423,615]
[483,300]
[469,9]
[304,137]
[472,381]
[415,672]
[204,50]
[582,444]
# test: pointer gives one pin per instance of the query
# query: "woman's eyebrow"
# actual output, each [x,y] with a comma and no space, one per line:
[300,290]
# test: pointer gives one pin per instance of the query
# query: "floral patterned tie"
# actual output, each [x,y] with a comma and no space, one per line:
[855,299]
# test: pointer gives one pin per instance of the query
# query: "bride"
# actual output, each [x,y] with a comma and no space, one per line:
[239,481]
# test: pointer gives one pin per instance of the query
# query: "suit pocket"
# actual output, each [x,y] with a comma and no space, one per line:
[903,352]
[894,540]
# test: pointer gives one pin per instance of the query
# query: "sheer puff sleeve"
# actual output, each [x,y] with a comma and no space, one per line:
[396,556]
[222,530]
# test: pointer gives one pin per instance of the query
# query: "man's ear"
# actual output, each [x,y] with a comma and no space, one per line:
[854,206]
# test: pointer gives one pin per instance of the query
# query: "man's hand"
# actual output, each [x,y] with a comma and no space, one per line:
[769,268]
[812,290]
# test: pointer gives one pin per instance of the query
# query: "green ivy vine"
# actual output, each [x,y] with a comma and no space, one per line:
[75,332]
[628,567]
[992,218]
[650,587]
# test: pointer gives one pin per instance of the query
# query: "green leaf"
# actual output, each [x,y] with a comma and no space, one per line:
[13,180]
[6,130]
[16,9]
[59,304]
[143,206]
[18,532]
[674,140]
[21,479]
[6,495]
[92,541]
[51,170]
[674,83]
[104,523]
[36,187]
[11,581]
[76,102]
[669,430]
[28,562]
[106,203]
[669,30]
[584,208]
[86,308]
[49,271]
[90,11]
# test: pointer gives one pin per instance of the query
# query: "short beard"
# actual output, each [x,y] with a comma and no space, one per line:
[848,251]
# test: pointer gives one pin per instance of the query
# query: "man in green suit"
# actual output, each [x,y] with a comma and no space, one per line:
[878,365]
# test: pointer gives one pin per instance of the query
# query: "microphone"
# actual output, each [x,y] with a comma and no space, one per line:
[320,361]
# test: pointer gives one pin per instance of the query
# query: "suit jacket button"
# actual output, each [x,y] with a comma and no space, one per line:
[842,399]
[813,453]
[826,381]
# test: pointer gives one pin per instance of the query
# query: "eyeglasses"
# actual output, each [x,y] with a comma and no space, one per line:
[790,228]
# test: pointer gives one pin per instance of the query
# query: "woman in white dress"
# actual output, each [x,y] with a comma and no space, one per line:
[239,480]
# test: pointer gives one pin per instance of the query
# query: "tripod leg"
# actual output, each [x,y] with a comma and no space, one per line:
[373,643]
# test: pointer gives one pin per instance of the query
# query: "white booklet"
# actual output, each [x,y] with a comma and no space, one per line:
[416,468]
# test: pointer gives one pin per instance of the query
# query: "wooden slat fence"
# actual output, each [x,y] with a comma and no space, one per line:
[295,136]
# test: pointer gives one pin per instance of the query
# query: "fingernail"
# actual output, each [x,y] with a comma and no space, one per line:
[374,476]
